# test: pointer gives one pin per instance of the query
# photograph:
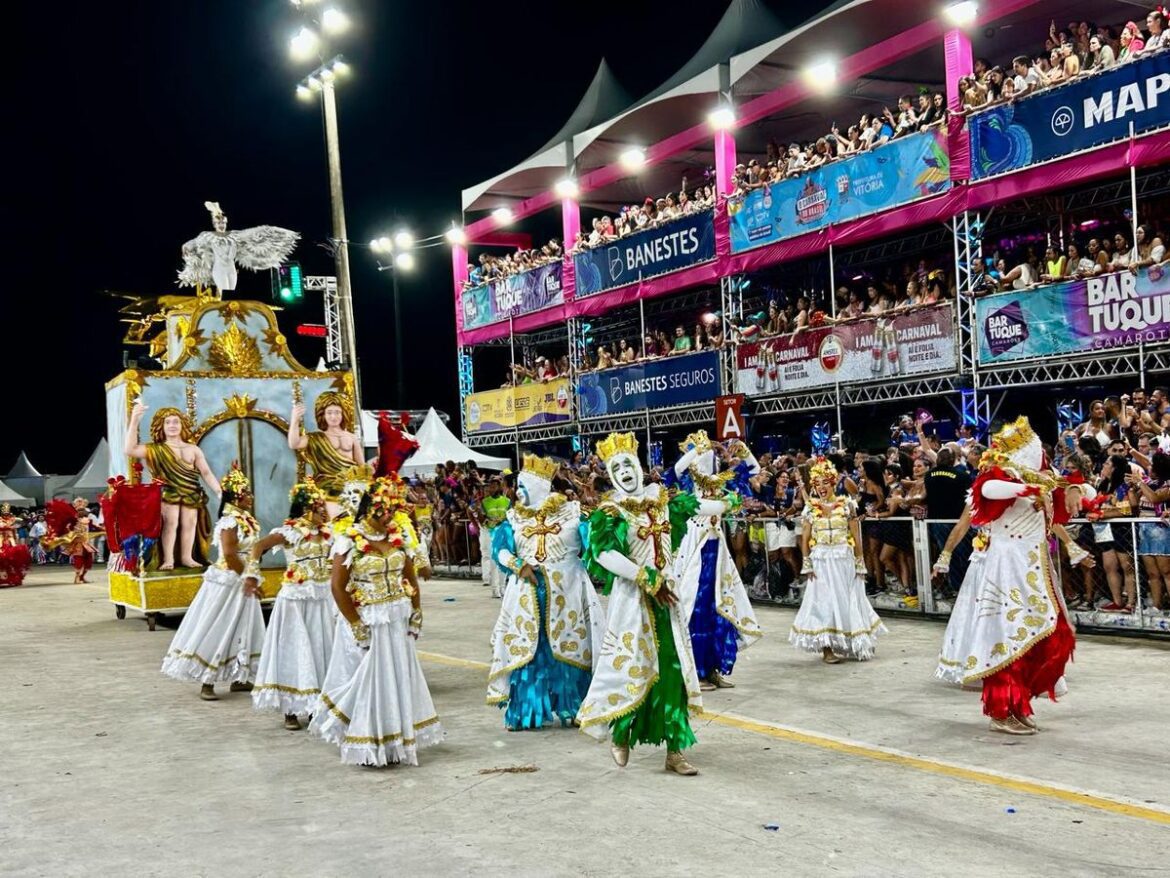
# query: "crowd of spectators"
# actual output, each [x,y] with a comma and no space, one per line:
[912,113]
[1080,49]
[496,268]
[1022,268]
[1122,449]
[647,215]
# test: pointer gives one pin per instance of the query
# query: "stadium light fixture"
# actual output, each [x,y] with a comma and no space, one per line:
[633,158]
[334,21]
[304,92]
[821,75]
[456,236]
[304,44]
[568,188]
[502,215]
[962,13]
[403,239]
[404,261]
[721,118]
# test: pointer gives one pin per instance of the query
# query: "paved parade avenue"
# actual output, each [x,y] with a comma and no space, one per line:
[108,768]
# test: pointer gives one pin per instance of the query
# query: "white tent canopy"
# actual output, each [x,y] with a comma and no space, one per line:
[437,444]
[7,495]
[92,478]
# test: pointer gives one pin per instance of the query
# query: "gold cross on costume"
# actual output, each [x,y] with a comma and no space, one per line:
[540,530]
[652,532]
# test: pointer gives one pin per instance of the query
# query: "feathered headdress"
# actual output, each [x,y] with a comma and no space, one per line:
[821,470]
[60,517]
[699,441]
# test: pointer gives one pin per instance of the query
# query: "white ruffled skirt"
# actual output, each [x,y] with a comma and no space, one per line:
[956,645]
[834,611]
[296,650]
[375,704]
[220,636]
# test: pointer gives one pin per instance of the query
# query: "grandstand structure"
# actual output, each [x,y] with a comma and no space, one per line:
[1050,165]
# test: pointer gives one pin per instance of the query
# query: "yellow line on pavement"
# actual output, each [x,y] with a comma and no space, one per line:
[894,757]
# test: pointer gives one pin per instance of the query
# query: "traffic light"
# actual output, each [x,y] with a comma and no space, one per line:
[287,285]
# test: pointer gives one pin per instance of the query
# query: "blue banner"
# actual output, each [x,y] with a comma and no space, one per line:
[670,381]
[677,244]
[1084,113]
[904,170]
[519,294]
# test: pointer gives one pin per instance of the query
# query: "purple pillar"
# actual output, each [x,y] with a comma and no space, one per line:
[570,222]
[959,63]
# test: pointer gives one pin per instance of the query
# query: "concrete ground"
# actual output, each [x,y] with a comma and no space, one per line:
[107,768]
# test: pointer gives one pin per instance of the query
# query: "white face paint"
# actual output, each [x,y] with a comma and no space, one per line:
[532,489]
[705,461]
[351,496]
[625,472]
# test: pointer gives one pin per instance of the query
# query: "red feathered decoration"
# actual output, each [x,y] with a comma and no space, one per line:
[14,563]
[394,446]
[983,510]
[59,517]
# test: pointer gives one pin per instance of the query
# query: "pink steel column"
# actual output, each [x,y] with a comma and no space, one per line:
[724,172]
[959,63]
[570,225]
[459,272]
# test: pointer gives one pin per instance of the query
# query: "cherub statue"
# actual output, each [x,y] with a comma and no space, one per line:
[210,258]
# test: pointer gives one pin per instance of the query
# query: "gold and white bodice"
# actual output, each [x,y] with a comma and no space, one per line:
[829,521]
[377,579]
[247,530]
[306,555]
[1021,521]
[549,533]
[648,530]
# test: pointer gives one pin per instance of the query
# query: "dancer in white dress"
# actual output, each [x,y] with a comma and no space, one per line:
[219,639]
[375,704]
[957,638]
[835,617]
[711,594]
[547,639]
[300,630]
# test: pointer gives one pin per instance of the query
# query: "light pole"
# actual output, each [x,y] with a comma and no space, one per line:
[403,260]
[306,44]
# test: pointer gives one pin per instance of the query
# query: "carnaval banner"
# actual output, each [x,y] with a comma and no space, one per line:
[519,294]
[677,244]
[543,402]
[1076,317]
[670,381]
[1084,113]
[911,343]
[896,173]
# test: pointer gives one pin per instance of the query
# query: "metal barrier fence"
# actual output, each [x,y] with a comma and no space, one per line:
[1118,593]
[455,548]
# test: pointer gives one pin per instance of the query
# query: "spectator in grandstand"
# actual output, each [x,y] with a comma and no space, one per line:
[1153,497]
[1021,277]
[1099,257]
[1027,78]
[1149,250]
[1115,542]
[626,354]
[1123,254]
[1131,42]
[682,342]
[1100,54]
[1156,24]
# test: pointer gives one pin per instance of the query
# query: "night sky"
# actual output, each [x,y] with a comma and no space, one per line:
[128,116]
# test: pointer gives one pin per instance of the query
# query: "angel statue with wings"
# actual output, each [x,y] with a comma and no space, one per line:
[211,258]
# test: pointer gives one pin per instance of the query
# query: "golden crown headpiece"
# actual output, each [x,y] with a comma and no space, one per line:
[235,480]
[308,493]
[541,467]
[822,469]
[699,440]
[1014,436]
[617,443]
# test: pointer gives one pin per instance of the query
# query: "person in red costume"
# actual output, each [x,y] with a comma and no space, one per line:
[1021,639]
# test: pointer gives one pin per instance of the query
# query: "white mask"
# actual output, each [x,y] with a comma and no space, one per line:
[625,471]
